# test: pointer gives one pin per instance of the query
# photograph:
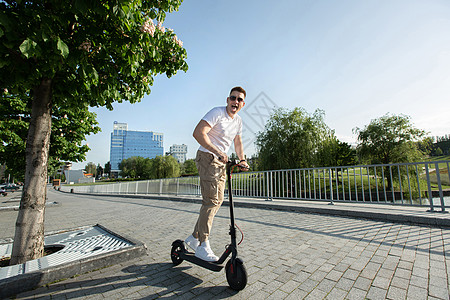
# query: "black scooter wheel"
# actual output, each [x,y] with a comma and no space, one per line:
[177,248]
[236,274]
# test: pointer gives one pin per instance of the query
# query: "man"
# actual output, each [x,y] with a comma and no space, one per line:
[215,132]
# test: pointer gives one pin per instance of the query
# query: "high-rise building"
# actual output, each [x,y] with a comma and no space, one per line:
[127,143]
[179,152]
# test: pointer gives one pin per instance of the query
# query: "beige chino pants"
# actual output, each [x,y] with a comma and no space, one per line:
[212,174]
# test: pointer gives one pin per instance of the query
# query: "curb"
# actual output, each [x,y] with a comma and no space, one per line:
[16,207]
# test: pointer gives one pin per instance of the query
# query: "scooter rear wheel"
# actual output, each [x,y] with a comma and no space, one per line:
[236,274]
[177,248]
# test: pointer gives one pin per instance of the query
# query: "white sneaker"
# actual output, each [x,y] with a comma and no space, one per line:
[204,252]
[192,242]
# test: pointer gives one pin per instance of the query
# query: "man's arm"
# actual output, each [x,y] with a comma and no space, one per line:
[239,148]
[201,136]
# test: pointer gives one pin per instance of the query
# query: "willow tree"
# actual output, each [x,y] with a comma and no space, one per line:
[74,54]
[295,139]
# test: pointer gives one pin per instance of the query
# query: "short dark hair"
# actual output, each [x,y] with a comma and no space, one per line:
[239,89]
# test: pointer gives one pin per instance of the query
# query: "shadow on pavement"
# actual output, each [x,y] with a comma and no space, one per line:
[151,281]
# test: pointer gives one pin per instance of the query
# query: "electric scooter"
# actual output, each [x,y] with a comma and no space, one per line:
[234,268]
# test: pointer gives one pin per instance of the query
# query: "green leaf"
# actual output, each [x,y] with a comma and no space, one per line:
[5,21]
[28,48]
[44,36]
[63,48]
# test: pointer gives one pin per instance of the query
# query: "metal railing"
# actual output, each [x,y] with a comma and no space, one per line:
[417,184]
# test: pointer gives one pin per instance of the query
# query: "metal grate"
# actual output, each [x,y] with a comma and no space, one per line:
[78,244]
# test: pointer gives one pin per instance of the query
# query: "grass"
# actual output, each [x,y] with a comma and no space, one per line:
[438,158]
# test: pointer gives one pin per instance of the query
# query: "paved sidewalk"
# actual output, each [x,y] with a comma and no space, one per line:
[288,254]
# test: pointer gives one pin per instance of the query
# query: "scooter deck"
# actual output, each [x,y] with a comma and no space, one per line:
[189,256]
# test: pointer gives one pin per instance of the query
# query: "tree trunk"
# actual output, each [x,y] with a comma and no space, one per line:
[29,235]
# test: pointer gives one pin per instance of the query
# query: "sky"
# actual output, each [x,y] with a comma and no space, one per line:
[355,60]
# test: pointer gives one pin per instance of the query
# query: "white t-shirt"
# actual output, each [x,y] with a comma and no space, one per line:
[223,128]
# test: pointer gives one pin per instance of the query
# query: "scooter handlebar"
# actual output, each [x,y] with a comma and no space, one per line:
[232,163]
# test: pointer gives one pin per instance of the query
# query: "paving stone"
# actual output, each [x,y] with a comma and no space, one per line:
[278,295]
[345,284]
[336,294]
[358,259]
[351,274]
[334,275]
[376,293]
[396,293]
[326,285]
[316,294]
[441,292]
[356,294]
[416,293]
[381,282]
[362,283]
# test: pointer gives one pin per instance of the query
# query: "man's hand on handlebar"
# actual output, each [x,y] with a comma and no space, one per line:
[243,166]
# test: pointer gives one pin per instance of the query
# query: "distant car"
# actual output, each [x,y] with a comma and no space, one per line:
[3,192]
[10,187]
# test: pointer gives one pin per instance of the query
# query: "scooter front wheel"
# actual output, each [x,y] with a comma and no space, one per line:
[236,274]
[177,248]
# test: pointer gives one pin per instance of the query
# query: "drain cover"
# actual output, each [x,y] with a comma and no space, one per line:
[75,245]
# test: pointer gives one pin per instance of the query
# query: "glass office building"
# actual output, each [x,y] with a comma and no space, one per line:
[127,143]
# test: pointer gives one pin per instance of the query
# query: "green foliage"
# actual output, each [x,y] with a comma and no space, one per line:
[189,168]
[67,56]
[136,167]
[90,168]
[389,139]
[69,128]
[165,167]
[296,139]
[94,53]
[107,169]
[443,143]
[425,146]
[253,163]
[146,168]
[99,170]
[346,155]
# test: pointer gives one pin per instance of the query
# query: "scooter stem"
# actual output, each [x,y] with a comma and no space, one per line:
[230,164]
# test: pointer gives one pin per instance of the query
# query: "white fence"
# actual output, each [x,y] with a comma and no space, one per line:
[418,184]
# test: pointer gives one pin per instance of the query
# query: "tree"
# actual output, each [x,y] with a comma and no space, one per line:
[108,168]
[165,167]
[69,128]
[90,168]
[99,171]
[442,142]
[294,139]
[76,54]
[346,155]
[146,168]
[425,146]
[136,167]
[389,139]
[189,167]
[253,163]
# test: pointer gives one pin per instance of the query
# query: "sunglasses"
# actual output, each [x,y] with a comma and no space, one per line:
[234,98]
